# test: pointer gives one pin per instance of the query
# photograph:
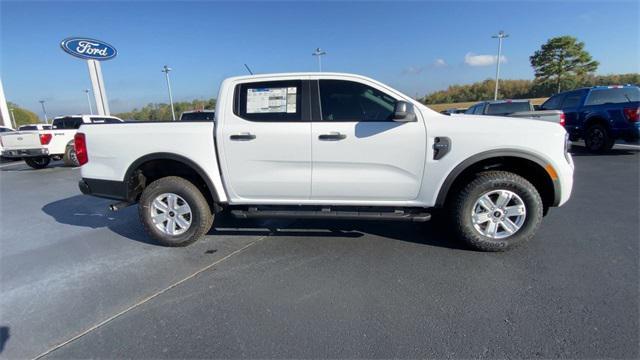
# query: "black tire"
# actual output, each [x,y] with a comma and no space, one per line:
[70,158]
[201,216]
[40,162]
[597,138]
[464,202]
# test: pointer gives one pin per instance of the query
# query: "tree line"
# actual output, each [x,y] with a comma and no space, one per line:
[162,111]
[521,89]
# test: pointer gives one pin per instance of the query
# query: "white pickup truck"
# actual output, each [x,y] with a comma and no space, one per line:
[38,146]
[329,145]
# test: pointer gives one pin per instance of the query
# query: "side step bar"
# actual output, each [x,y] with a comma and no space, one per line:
[398,215]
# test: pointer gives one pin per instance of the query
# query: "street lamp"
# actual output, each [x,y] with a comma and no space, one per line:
[166,70]
[44,111]
[13,119]
[319,52]
[501,35]
[89,101]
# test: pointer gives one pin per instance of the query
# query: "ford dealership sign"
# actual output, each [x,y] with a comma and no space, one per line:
[90,49]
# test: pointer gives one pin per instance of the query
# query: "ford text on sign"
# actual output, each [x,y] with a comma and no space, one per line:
[86,48]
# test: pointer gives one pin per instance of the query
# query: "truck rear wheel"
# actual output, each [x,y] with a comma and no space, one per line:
[497,211]
[597,139]
[40,162]
[70,158]
[174,212]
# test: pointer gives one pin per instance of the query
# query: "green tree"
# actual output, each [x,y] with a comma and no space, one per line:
[562,60]
[22,116]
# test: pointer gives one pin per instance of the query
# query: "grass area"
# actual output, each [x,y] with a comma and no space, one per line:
[464,105]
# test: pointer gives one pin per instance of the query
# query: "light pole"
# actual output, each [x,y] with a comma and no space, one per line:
[501,35]
[89,101]
[13,119]
[44,111]
[166,70]
[319,53]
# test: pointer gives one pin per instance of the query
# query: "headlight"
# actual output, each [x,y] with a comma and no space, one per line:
[567,148]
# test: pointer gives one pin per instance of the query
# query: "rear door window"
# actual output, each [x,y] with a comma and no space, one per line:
[572,100]
[270,101]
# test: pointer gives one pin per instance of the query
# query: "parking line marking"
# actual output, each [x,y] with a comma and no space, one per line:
[629,146]
[14,163]
[148,298]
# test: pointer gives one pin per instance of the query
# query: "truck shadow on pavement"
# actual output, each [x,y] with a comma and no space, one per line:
[85,211]
[4,337]
[579,150]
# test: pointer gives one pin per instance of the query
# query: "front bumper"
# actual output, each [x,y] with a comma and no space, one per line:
[116,190]
[23,153]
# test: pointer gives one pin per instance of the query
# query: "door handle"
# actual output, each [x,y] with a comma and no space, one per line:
[242,137]
[332,136]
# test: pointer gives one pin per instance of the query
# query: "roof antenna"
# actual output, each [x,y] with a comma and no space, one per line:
[249,70]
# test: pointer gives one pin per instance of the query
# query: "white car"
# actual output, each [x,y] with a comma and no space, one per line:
[39,146]
[3,130]
[329,145]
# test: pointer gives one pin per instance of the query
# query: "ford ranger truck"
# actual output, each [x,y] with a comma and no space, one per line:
[330,146]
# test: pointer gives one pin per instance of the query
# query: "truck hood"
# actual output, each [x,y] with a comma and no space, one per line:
[505,124]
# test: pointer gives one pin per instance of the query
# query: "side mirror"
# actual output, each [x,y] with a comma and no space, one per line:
[403,112]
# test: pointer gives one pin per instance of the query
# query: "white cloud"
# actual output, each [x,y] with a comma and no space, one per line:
[439,63]
[472,59]
[413,70]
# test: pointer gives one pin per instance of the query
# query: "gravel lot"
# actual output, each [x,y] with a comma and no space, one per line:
[292,289]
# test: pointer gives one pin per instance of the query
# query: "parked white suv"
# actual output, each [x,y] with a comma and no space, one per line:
[39,146]
[328,145]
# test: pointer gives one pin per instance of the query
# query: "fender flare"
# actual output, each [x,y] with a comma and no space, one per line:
[470,161]
[175,157]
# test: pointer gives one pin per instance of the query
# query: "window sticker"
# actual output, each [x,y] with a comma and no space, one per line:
[271,100]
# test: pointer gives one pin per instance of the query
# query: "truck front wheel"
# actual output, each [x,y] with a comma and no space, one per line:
[174,212]
[40,162]
[496,211]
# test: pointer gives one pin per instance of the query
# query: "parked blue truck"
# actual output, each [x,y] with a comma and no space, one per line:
[600,114]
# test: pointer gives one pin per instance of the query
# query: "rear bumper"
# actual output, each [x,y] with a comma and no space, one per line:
[116,190]
[23,153]
[631,133]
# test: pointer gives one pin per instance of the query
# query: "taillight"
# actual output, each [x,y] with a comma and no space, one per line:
[632,114]
[45,139]
[562,120]
[80,144]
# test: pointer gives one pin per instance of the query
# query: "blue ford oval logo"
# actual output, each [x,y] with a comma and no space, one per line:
[90,49]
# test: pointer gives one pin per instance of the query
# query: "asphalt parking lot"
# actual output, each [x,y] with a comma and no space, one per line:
[78,281]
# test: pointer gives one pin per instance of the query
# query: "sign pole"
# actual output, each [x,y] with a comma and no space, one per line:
[5,120]
[95,73]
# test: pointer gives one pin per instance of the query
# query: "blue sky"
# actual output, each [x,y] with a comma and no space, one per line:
[416,47]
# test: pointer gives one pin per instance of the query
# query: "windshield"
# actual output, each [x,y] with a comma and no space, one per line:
[198,116]
[507,108]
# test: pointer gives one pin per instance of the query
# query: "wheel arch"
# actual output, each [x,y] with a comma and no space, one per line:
[530,166]
[146,169]
[596,118]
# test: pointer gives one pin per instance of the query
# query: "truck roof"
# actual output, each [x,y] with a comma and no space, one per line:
[506,101]
[297,74]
